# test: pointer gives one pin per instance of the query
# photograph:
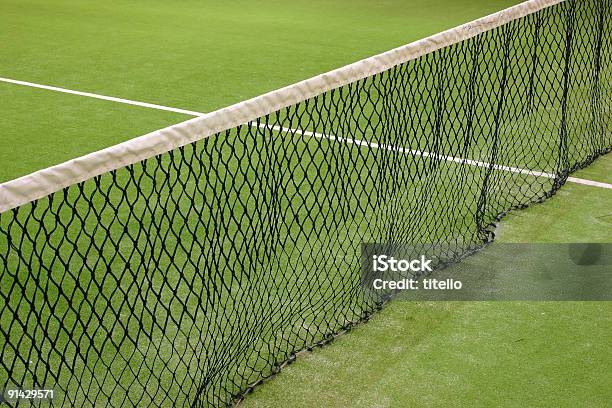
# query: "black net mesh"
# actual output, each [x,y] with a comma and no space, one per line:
[187,278]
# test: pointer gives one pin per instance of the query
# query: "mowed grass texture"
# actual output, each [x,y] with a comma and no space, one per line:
[225,192]
[39,128]
[196,55]
[474,354]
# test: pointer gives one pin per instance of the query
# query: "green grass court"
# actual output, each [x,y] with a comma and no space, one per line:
[175,56]
[467,354]
[202,56]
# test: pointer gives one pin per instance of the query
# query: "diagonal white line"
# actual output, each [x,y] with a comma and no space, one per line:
[103,97]
[357,142]
[420,153]
[589,182]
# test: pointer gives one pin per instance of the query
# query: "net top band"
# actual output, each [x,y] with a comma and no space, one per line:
[47,181]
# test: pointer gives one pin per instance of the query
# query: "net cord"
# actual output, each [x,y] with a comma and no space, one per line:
[52,179]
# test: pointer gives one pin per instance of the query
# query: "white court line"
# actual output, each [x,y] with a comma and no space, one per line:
[357,142]
[103,97]
[419,153]
[437,156]
[589,182]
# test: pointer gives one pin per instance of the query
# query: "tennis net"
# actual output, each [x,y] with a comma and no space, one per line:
[183,267]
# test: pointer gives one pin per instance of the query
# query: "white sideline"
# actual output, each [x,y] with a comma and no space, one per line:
[589,182]
[47,181]
[361,143]
[459,160]
[103,97]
